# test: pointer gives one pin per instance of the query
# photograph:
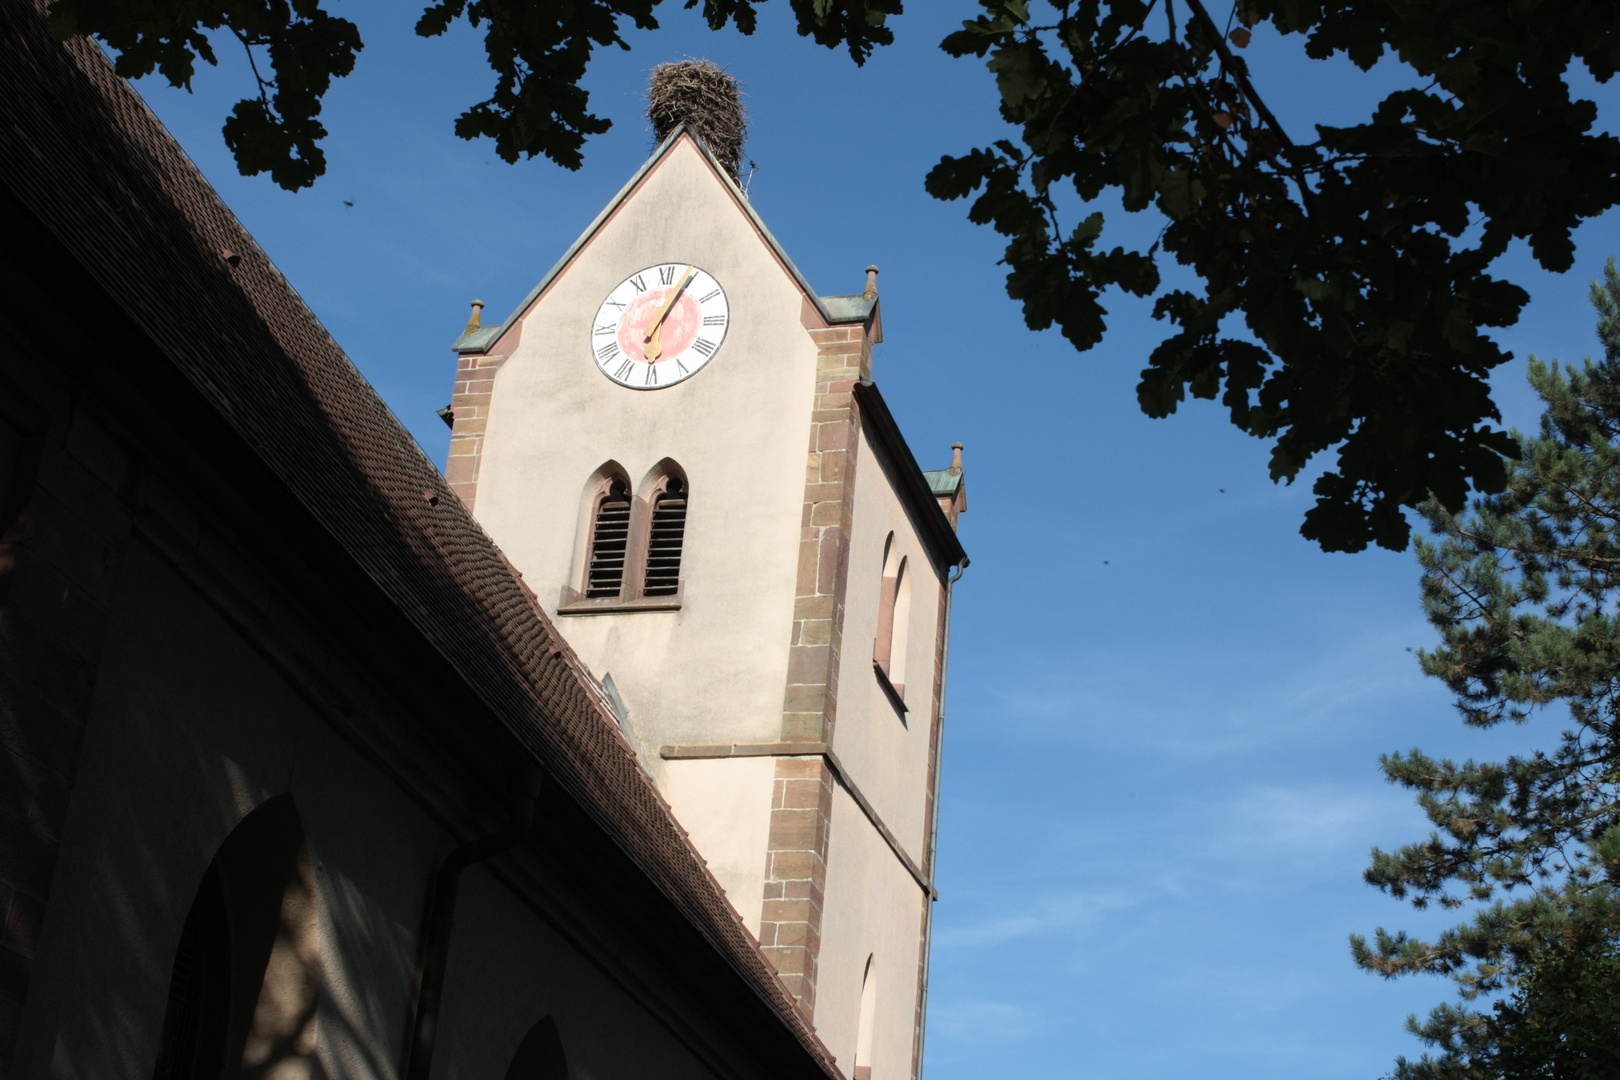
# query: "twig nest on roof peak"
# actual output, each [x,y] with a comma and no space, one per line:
[700,94]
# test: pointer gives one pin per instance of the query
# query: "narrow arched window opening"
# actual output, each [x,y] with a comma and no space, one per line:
[197,1017]
[610,541]
[243,990]
[894,613]
[666,537]
[901,626]
[540,1055]
[882,647]
[868,1020]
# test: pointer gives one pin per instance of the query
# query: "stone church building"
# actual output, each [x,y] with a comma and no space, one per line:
[568,762]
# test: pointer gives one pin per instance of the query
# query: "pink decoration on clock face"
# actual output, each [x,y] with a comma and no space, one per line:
[679,329]
[681,307]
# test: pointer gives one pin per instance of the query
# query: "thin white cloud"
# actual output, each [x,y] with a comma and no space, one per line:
[1043,915]
[1229,700]
[1226,846]
[975,1021]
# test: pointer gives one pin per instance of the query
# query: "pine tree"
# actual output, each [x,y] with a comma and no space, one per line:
[1525,591]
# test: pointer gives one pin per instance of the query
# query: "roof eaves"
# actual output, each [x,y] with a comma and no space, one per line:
[914,487]
[481,339]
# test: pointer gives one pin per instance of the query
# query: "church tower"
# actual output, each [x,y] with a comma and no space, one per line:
[680,445]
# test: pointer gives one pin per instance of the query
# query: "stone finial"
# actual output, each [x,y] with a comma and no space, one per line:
[477,319]
[956,458]
[871,284]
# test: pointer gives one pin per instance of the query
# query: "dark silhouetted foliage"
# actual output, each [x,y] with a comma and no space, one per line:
[1345,281]
[1344,288]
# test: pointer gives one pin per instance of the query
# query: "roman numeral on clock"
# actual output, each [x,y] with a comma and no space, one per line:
[691,336]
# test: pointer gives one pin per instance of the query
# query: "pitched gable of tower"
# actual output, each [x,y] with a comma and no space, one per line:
[683,189]
[680,445]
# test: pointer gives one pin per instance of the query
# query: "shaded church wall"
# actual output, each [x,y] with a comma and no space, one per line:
[63,530]
[190,730]
[538,975]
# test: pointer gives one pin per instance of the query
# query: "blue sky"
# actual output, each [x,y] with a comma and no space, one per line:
[1165,707]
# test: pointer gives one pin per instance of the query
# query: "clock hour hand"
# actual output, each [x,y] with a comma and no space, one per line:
[652,347]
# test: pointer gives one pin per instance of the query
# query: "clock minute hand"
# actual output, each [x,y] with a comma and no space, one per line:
[652,344]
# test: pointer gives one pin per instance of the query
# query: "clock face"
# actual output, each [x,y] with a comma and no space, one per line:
[659,326]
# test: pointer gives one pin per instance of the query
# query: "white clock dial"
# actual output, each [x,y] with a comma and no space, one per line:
[659,326]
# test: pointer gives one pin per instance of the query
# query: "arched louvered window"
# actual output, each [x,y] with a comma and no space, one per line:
[610,542]
[666,537]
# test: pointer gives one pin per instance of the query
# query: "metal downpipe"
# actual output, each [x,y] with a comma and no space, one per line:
[933,831]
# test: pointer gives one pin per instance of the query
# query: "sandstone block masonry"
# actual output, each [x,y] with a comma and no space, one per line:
[469,410]
[796,857]
[796,874]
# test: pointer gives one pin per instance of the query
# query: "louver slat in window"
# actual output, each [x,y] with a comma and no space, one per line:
[664,541]
[610,539]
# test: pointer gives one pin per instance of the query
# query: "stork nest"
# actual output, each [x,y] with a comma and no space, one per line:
[700,94]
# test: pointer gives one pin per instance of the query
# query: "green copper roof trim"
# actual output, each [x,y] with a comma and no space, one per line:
[943,481]
[478,340]
[846,309]
[835,309]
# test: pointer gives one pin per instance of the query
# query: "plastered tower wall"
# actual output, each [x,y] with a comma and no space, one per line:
[875,904]
[754,702]
[713,670]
